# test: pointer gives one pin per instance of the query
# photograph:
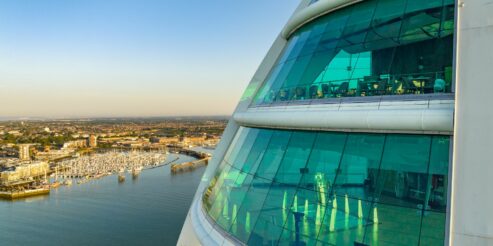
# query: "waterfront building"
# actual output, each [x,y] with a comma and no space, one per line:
[54,154]
[24,152]
[92,141]
[22,172]
[367,123]
[169,140]
[75,144]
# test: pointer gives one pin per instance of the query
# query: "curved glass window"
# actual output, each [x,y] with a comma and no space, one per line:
[373,48]
[280,187]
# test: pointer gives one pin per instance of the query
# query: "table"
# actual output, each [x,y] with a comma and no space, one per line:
[421,82]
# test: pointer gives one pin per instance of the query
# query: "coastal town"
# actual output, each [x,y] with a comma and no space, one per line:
[38,155]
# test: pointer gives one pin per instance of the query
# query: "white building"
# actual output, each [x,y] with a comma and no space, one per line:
[24,153]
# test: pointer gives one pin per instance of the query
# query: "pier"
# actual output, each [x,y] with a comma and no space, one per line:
[189,166]
[11,195]
[189,152]
[203,160]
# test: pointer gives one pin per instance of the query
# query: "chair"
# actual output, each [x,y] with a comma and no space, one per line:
[382,88]
[397,87]
[326,90]
[363,89]
[283,95]
[313,91]
[300,93]
[342,90]
[409,87]
[439,85]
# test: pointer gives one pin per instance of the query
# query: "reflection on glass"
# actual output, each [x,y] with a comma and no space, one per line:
[332,188]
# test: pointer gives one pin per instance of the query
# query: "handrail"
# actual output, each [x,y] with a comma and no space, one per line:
[368,99]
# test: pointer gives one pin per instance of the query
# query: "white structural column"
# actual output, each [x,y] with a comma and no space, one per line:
[471,211]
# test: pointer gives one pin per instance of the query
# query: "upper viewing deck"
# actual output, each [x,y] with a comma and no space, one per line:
[374,48]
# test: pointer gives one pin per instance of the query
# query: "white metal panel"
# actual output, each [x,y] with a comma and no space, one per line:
[471,212]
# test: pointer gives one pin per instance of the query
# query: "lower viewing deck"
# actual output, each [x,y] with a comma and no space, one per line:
[330,188]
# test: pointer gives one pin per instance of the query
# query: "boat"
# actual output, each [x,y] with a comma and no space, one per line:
[67,182]
[136,171]
[55,184]
[121,177]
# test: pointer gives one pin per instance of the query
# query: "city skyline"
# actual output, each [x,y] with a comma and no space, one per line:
[119,59]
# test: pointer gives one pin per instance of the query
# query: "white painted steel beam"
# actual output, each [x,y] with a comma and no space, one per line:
[415,117]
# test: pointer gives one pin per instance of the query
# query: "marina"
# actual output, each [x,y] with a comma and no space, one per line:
[155,202]
[82,169]
[33,179]
[99,165]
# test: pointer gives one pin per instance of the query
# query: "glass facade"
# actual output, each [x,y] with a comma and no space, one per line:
[281,187]
[373,48]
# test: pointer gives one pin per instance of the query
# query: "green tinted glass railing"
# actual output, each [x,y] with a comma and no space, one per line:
[332,188]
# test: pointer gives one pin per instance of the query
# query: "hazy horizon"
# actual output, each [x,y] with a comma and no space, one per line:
[3,119]
[92,59]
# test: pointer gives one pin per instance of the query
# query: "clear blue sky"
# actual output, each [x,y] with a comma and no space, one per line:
[132,57]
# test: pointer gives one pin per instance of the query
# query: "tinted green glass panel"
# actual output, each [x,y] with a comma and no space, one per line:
[295,158]
[214,194]
[215,185]
[310,209]
[403,178]
[323,163]
[257,152]
[324,188]
[339,227]
[432,229]
[249,209]
[231,194]
[393,225]
[357,173]
[289,237]
[273,215]
[239,159]
[373,48]
[266,232]
[273,154]
[236,144]
[236,198]
[439,164]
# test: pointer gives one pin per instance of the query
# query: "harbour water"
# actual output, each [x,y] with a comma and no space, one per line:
[149,210]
